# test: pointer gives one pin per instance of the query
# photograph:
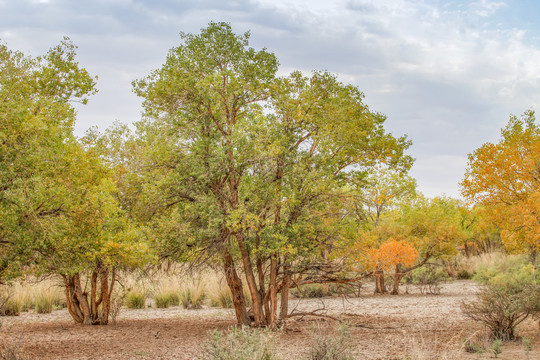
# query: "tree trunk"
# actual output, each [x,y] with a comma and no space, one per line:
[258,312]
[286,285]
[86,308]
[235,284]
[379,282]
[397,280]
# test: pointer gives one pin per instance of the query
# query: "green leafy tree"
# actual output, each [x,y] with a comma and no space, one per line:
[252,168]
[57,199]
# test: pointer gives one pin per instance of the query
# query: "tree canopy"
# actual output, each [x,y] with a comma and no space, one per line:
[504,178]
[252,167]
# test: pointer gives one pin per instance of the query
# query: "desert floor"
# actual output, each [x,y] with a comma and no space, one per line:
[409,326]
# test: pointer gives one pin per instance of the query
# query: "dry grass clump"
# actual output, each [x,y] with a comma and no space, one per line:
[242,343]
[41,296]
[467,267]
[416,348]
[337,346]
[219,293]
[193,294]
[167,292]
[135,299]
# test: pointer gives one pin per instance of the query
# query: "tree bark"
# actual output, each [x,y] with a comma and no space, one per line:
[379,282]
[235,284]
[286,285]
[87,308]
[398,275]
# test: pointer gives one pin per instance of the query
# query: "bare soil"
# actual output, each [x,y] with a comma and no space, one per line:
[411,326]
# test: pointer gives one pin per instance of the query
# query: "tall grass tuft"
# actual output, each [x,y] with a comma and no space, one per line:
[136,299]
[336,347]
[242,343]
[193,295]
[219,294]
[166,293]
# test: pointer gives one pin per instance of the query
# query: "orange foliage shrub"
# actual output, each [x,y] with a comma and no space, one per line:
[391,254]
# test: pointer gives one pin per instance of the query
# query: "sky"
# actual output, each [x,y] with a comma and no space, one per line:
[446,73]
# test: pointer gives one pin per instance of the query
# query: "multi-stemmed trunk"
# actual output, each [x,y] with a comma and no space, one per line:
[90,309]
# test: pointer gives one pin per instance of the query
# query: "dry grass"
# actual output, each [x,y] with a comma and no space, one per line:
[41,296]
[472,264]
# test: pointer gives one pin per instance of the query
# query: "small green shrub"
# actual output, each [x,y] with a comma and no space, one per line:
[311,291]
[242,343]
[162,300]
[174,299]
[337,347]
[428,279]
[496,347]
[135,299]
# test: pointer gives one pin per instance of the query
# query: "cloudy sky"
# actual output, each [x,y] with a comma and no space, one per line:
[447,73]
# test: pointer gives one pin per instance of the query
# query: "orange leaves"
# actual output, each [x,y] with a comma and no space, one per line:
[391,254]
[504,177]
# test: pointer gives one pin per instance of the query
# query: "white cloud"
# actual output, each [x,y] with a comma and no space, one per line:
[486,8]
[448,73]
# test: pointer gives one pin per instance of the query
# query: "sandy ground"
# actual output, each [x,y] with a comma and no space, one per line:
[382,327]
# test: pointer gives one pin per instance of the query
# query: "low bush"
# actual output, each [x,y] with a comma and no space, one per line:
[242,343]
[166,299]
[506,300]
[428,279]
[336,347]
[311,291]
[162,301]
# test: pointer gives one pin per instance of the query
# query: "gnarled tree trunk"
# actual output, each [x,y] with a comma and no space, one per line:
[87,308]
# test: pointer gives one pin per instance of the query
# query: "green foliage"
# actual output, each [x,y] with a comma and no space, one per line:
[60,204]
[38,161]
[235,158]
[428,279]
[333,347]
[496,348]
[135,299]
[507,299]
[166,299]
[242,343]
[311,291]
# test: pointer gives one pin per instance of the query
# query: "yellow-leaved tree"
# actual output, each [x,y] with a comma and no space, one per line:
[505,178]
